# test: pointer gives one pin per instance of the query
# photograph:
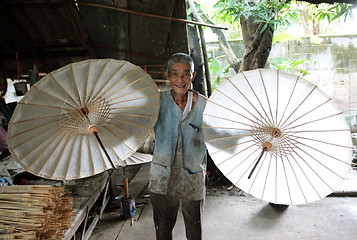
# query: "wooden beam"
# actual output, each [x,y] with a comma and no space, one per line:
[150,15]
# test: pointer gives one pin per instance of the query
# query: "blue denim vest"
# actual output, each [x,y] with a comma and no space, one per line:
[167,129]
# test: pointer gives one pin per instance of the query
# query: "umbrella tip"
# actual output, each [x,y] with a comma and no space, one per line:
[93,129]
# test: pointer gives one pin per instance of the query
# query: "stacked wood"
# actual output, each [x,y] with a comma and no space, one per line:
[34,212]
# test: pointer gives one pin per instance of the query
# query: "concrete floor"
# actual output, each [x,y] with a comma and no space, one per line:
[242,217]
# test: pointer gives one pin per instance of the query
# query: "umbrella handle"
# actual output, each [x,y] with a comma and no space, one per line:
[256,164]
[94,131]
[105,151]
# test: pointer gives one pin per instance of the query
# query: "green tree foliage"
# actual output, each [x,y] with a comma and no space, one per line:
[277,15]
[333,11]
[271,13]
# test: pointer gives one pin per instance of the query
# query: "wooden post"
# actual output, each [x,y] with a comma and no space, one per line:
[203,45]
[126,187]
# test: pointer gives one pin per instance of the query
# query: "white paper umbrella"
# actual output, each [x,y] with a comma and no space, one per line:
[138,158]
[49,130]
[277,137]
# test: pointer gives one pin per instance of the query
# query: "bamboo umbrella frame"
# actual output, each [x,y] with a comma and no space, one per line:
[277,137]
[34,212]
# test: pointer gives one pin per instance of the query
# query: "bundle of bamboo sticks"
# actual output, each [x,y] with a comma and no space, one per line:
[34,212]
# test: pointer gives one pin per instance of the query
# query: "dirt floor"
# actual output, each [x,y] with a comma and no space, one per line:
[232,214]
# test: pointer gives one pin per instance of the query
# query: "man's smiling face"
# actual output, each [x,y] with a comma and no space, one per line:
[180,76]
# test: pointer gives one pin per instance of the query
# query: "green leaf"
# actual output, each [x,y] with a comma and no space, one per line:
[284,37]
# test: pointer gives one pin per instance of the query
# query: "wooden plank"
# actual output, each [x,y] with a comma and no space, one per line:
[81,214]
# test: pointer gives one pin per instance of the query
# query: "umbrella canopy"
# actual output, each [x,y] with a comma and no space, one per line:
[277,137]
[49,132]
[138,158]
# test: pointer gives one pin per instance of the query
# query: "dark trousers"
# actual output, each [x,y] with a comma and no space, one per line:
[165,210]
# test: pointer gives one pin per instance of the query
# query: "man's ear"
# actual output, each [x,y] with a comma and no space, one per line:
[193,76]
[167,75]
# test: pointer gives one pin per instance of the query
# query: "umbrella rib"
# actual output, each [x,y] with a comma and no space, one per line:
[54,164]
[220,150]
[134,115]
[317,150]
[111,147]
[68,95]
[328,155]
[91,163]
[30,129]
[36,135]
[55,97]
[99,77]
[98,113]
[127,85]
[286,179]
[67,166]
[230,110]
[124,130]
[320,164]
[311,184]
[269,122]
[312,121]
[284,145]
[328,143]
[103,158]
[214,127]
[288,103]
[82,104]
[302,171]
[324,131]
[267,97]
[138,90]
[276,178]
[80,155]
[266,177]
[47,106]
[132,107]
[296,178]
[60,133]
[240,164]
[225,137]
[247,101]
[108,80]
[129,123]
[303,101]
[305,114]
[230,120]
[257,172]
[121,139]
[134,99]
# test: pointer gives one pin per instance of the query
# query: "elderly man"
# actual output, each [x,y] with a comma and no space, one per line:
[178,168]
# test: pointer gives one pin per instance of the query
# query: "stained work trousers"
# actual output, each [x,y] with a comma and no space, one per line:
[165,210]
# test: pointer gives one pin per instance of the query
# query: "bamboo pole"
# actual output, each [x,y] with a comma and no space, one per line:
[204,50]
[151,15]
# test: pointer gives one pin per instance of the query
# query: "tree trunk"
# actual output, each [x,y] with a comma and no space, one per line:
[231,57]
[257,44]
[305,21]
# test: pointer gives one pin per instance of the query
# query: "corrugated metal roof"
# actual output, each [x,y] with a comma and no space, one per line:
[53,33]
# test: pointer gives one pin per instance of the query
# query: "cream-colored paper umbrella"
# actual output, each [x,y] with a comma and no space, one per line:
[277,137]
[83,119]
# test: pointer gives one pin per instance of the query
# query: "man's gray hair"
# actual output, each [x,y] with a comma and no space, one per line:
[180,58]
